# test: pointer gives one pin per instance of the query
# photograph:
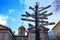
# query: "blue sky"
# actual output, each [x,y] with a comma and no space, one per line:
[11,11]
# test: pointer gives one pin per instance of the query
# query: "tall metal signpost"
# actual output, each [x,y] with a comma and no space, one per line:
[39,18]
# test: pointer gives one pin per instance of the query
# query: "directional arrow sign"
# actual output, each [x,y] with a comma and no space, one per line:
[49,14]
[43,12]
[24,15]
[52,23]
[31,15]
[34,16]
[42,21]
[31,25]
[27,20]
[39,14]
[42,18]
[31,8]
[44,8]
[27,13]
[47,24]
[33,20]
[45,15]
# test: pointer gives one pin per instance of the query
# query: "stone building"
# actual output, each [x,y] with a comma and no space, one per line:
[21,33]
[56,31]
[7,34]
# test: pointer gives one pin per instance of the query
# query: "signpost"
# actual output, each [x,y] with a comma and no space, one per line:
[38,18]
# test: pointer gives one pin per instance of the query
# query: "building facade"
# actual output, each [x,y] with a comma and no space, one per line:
[56,31]
[7,34]
[43,33]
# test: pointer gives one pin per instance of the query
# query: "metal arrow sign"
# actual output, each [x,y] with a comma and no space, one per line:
[44,8]
[45,14]
[47,24]
[31,8]
[31,25]
[33,20]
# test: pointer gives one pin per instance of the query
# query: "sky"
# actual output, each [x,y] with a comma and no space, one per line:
[11,11]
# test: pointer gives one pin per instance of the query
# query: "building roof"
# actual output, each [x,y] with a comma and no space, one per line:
[2,27]
[21,27]
[56,25]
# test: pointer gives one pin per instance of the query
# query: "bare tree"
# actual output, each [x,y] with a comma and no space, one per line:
[57,2]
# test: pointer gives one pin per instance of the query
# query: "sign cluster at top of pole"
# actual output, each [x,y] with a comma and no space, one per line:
[40,16]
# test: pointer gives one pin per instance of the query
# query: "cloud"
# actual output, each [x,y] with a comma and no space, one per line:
[11,11]
[3,20]
[3,17]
